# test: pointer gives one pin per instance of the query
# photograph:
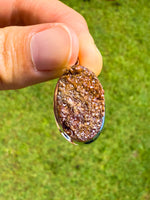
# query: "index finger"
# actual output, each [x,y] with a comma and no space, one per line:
[29,12]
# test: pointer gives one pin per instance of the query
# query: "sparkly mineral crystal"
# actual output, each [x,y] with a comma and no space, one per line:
[79,104]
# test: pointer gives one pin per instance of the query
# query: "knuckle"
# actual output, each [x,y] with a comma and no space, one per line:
[82,21]
[78,22]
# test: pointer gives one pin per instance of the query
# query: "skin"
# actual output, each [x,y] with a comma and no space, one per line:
[21,20]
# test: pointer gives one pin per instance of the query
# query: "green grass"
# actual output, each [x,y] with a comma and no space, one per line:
[36,163]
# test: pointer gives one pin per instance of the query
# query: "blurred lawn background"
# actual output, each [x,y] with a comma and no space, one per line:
[36,163]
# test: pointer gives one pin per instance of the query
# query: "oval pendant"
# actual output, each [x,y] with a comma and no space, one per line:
[79,105]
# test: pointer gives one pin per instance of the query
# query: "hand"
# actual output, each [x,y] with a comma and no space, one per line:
[39,39]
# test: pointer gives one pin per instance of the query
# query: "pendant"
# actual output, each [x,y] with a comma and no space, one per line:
[79,105]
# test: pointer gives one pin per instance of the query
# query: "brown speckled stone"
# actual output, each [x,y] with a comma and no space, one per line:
[79,103]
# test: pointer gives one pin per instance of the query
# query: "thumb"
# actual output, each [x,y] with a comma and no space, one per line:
[33,54]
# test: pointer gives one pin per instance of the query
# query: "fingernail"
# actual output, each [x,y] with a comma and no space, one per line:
[51,48]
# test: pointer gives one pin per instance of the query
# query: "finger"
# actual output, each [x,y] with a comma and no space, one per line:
[89,55]
[29,12]
[25,12]
[34,54]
